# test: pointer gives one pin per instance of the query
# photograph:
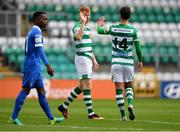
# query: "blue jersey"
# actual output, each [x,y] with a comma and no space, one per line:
[34,40]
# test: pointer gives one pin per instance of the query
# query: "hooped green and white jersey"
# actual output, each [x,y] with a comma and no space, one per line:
[83,46]
[123,38]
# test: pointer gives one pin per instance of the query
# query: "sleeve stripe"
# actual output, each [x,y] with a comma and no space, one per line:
[38,45]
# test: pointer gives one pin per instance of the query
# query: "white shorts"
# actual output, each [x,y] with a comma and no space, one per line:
[83,67]
[122,73]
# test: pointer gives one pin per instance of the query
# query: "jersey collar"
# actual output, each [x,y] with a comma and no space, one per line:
[35,26]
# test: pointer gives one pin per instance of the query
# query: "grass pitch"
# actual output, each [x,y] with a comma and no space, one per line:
[151,114]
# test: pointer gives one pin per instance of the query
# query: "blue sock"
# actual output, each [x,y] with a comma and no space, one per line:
[18,103]
[45,106]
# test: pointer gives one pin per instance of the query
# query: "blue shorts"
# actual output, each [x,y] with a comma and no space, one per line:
[32,80]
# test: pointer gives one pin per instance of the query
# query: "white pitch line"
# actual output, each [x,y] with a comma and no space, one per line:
[160,122]
[85,127]
[150,121]
[145,121]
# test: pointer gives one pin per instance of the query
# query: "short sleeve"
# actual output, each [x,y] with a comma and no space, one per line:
[38,38]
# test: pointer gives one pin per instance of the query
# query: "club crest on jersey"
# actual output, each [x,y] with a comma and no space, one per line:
[38,40]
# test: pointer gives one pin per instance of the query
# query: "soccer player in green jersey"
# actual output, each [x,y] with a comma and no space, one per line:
[84,61]
[124,39]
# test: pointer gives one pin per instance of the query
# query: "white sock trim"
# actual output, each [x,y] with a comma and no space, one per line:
[92,113]
[65,106]
[120,101]
[119,96]
[74,93]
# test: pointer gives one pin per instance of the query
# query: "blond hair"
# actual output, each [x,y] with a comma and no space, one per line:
[85,8]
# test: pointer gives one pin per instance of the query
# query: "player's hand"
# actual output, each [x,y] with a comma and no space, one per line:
[95,64]
[140,66]
[50,70]
[101,21]
[83,18]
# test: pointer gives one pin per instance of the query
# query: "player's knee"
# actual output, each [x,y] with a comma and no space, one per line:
[88,84]
[128,84]
[80,87]
[85,83]
[118,85]
[83,86]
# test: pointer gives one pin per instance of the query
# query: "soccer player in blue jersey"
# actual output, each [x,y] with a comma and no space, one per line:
[34,53]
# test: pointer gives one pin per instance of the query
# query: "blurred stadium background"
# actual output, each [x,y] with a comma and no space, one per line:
[157,20]
[159,24]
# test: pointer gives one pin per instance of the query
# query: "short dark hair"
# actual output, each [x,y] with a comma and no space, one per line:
[125,12]
[37,14]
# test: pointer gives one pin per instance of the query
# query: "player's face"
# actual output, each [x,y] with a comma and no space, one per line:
[87,14]
[43,21]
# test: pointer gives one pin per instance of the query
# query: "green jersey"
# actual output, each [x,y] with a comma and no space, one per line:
[123,39]
[83,46]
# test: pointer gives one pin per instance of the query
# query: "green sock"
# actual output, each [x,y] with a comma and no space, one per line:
[73,95]
[88,101]
[120,101]
[129,96]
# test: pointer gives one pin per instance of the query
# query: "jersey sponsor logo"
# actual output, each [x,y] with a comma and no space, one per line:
[170,90]
[122,30]
[120,54]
